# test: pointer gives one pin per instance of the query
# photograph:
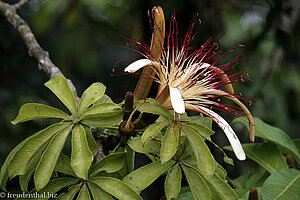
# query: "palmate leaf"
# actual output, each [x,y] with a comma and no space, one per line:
[32,111]
[25,178]
[200,129]
[185,193]
[275,135]
[4,168]
[249,179]
[169,143]
[84,193]
[266,155]
[71,193]
[153,130]
[217,183]
[102,114]
[90,96]
[282,185]
[201,120]
[104,99]
[60,87]
[154,108]
[205,161]
[220,189]
[98,193]
[18,164]
[185,149]
[128,163]
[63,165]
[136,144]
[49,158]
[81,156]
[111,163]
[173,182]
[55,185]
[116,188]
[220,171]
[197,183]
[91,141]
[142,177]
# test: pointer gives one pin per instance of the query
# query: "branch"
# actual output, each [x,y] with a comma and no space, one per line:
[34,49]
[19,4]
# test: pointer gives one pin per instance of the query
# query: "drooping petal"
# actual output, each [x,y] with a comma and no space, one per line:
[177,99]
[133,67]
[242,106]
[233,139]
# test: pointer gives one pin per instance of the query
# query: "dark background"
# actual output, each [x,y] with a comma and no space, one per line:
[82,38]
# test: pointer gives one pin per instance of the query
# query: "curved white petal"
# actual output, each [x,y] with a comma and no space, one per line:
[177,100]
[136,65]
[233,139]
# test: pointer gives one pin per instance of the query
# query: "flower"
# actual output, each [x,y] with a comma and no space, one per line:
[193,81]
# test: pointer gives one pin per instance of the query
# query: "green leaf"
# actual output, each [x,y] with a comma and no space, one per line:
[54,186]
[275,135]
[63,165]
[154,108]
[71,193]
[104,99]
[244,194]
[197,183]
[103,114]
[249,179]
[200,129]
[81,156]
[142,177]
[284,184]
[223,190]
[25,178]
[185,193]
[201,120]
[205,161]
[136,144]
[84,193]
[266,155]
[91,141]
[111,163]
[169,143]
[128,164]
[60,87]
[4,168]
[117,188]
[221,172]
[101,108]
[98,193]
[90,96]
[228,160]
[32,111]
[49,158]
[297,143]
[153,130]
[18,164]
[185,148]
[173,182]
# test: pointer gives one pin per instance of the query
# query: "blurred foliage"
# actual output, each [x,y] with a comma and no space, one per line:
[82,38]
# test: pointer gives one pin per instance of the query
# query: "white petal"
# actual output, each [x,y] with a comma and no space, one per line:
[133,67]
[233,139]
[177,99]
